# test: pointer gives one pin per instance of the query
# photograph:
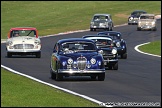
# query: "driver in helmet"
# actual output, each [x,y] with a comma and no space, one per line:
[16,33]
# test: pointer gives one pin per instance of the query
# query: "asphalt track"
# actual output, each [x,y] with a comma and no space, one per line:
[138,78]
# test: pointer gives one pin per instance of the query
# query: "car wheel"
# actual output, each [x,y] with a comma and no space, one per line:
[154,29]
[115,67]
[94,29]
[111,29]
[59,77]
[129,23]
[110,67]
[124,56]
[101,77]
[9,54]
[91,29]
[93,77]
[38,55]
[107,29]
[53,75]
[138,29]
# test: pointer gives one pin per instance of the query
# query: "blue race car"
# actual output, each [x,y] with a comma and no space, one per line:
[76,57]
[118,41]
[107,49]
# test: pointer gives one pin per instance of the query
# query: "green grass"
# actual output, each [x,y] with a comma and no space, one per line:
[152,48]
[52,17]
[19,91]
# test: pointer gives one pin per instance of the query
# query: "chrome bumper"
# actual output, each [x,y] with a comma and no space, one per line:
[76,71]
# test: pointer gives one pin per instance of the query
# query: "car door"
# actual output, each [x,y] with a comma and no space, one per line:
[54,58]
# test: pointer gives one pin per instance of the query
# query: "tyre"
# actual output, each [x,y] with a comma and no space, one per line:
[110,67]
[101,77]
[38,55]
[138,29]
[107,29]
[111,29]
[93,77]
[115,67]
[91,29]
[53,75]
[154,29]
[9,54]
[124,56]
[59,77]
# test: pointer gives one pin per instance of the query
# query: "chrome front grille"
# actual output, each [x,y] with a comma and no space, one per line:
[23,46]
[146,23]
[106,52]
[82,62]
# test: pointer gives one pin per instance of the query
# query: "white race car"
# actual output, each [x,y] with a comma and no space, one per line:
[23,41]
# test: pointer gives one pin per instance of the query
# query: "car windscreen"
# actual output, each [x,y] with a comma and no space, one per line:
[102,41]
[137,13]
[16,33]
[97,18]
[147,17]
[78,46]
[114,36]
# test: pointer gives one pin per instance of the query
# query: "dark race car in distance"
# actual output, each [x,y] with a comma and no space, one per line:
[76,57]
[118,41]
[108,51]
[133,18]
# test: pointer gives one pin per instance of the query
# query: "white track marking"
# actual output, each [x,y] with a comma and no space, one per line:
[136,48]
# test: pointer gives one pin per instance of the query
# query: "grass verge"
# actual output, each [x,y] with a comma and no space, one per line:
[152,48]
[52,17]
[19,91]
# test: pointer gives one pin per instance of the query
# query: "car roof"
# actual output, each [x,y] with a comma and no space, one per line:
[95,35]
[147,15]
[74,40]
[139,11]
[99,37]
[23,28]
[101,14]
[110,32]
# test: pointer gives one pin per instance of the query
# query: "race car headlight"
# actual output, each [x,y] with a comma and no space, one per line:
[114,51]
[93,61]
[153,23]
[130,18]
[37,42]
[92,23]
[118,44]
[9,43]
[70,61]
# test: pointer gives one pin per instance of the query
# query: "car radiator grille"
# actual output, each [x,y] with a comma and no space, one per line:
[148,23]
[82,61]
[24,46]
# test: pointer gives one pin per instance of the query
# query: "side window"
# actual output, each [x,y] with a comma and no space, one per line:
[55,49]
[110,17]
[11,34]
